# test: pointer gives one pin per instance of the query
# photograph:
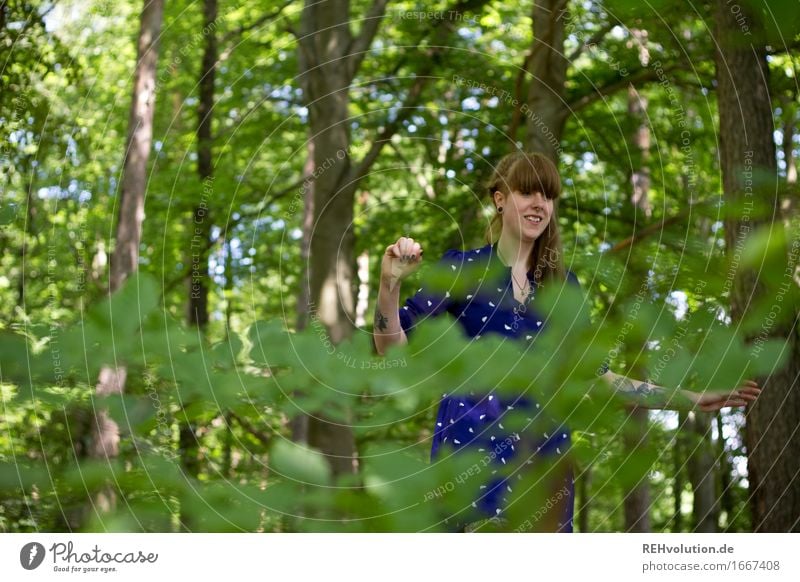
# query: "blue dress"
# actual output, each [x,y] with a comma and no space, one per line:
[476,420]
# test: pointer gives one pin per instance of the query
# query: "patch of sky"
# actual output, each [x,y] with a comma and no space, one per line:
[470,104]
[679,300]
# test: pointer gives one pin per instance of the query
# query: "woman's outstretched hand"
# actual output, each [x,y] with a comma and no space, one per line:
[713,400]
[400,260]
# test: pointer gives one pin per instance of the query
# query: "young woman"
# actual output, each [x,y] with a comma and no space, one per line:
[525,249]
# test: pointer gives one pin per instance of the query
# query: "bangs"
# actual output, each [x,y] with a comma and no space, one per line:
[533,173]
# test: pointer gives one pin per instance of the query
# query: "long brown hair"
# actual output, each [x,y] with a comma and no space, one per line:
[529,172]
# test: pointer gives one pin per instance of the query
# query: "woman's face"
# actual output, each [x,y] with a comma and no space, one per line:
[525,215]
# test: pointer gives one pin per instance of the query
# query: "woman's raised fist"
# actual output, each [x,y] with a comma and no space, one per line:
[400,260]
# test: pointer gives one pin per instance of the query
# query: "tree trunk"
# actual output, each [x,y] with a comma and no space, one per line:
[299,423]
[200,278]
[702,474]
[29,231]
[746,145]
[363,289]
[637,500]
[583,484]
[547,109]
[788,146]
[329,58]
[125,258]
[640,174]
[305,243]
[326,82]
[725,481]
[678,447]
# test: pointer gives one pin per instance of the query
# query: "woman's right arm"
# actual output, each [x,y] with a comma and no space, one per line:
[400,260]
[387,330]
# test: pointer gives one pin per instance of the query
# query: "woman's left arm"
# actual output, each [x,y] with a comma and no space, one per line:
[646,395]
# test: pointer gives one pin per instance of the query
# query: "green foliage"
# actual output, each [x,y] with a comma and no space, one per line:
[206,418]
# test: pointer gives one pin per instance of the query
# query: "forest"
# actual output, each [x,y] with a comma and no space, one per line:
[197,196]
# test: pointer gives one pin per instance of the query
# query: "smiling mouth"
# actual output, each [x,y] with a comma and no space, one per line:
[532,218]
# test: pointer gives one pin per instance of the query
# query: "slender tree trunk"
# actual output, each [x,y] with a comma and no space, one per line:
[790,110]
[702,474]
[27,232]
[299,423]
[305,242]
[584,506]
[725,481]
[678,464]
[125,258]
[637,501]
[746,145]
[227,448]
[363,289]
[227,258]
[200,279]
[640,174]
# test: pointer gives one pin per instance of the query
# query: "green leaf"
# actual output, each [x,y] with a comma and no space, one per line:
[127,309]
[300,463]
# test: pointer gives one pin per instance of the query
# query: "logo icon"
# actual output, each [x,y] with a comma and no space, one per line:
[31,555]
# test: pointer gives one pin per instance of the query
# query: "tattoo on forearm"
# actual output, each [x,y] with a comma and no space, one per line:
[381,321]
[644,392]
[623,384]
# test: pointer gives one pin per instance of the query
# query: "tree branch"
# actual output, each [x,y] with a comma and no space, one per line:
[234,34]
[359,45]
[431,61]
[650,229]
[409,104]
[785,49]
[246,114]
[421,179]
[516,115]
[596,38]
[644,75]
[263,437]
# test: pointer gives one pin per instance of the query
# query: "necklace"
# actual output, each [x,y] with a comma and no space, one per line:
[521,287]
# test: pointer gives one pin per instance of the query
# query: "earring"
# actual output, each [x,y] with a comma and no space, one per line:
[500,209]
